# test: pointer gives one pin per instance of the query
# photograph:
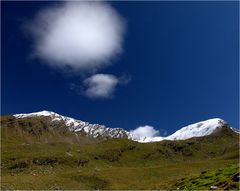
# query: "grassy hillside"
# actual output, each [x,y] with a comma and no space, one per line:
[224,179]
[36,154]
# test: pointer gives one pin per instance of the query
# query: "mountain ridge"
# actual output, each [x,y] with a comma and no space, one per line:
[199,129]
[93,130]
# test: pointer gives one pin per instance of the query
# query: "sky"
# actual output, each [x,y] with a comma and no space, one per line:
[159,65]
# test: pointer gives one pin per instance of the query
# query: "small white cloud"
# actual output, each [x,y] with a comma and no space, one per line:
[80,36]
[100,86]
[144,132]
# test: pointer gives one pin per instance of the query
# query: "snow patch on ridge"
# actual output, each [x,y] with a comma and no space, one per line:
[41,113]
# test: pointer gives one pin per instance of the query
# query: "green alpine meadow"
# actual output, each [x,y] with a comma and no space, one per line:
[37,153]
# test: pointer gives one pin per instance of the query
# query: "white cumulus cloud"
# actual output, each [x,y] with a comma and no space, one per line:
[146,131]
[80,36]
[100,86]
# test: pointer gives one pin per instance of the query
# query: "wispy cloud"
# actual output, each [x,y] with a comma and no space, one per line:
[80,36]
[144,132]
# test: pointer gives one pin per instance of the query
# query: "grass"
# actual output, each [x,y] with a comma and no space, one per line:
[69,161]
[223,179]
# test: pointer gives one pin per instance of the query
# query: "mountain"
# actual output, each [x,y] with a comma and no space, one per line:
[47,151]
[199,129]
[93,130]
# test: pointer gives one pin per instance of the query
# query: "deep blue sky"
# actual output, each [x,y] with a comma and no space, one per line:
[182,58]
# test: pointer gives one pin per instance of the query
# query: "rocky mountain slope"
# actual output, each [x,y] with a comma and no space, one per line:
[93,130]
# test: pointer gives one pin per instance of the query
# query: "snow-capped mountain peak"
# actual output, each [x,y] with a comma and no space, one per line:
[199,129]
